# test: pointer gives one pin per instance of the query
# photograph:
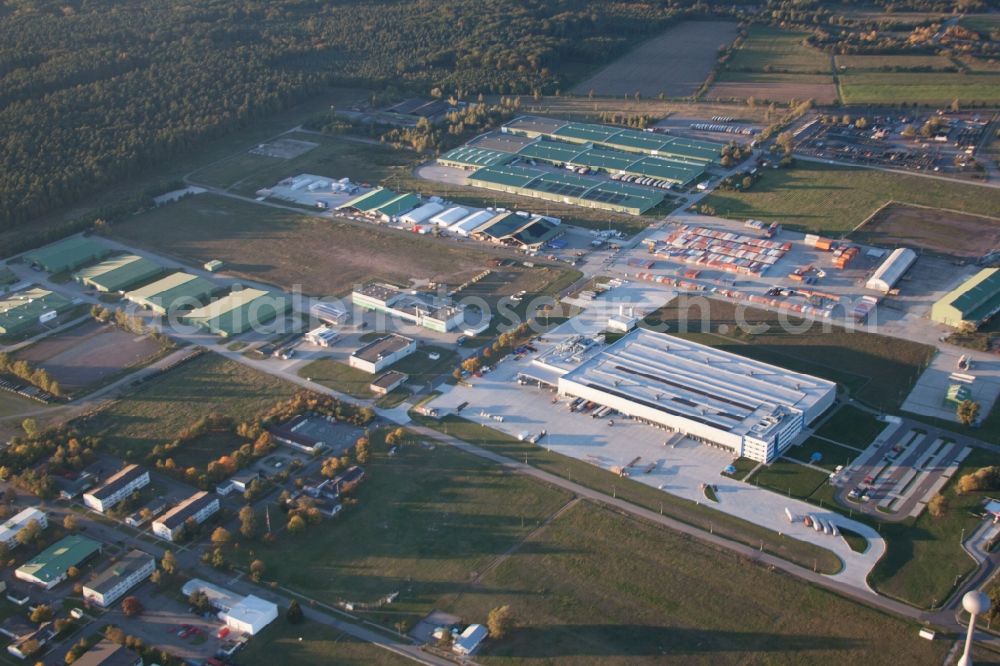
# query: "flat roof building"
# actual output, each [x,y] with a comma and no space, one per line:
[239,311]
[891,270]
[387,382]
[111,584]
[119,273]
[421,308]
[298,434]
[68,254]
[382,353]
[248,615]
[972,303]
[331,313]
[116,487]
[752,408]
[422,214]
[14,525]
[323,336]
[199,507]
[175,291]
[49,567]
[107,653]
[25,309]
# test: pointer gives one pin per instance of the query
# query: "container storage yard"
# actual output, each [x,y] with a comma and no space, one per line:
[727,251]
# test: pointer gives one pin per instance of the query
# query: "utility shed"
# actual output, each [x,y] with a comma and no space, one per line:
[119,273]
[68,254]
[892,269]
[972,303]
[175,291]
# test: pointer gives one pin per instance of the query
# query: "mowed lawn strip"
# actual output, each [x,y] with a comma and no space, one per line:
[938,88]
[789,478]
[339,376]
[834,455]
[800,197]
[314,643]
[426,520]
[321,256]
[156,412]
[698,515]
[596,587]
[852,426]
[877,369]
[925,556]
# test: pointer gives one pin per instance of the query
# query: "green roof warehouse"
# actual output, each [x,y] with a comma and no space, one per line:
[67,255]
[119,273]
[22,310]
[174,291]
[50,566]
[972,303]
[239,311]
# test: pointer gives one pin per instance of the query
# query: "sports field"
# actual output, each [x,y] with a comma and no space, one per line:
[689,50]
[426,521]
[157,411]
[596,587]
[935,88]
[942,232]
[876,369]
[89,354]
[801,197]
[284,248]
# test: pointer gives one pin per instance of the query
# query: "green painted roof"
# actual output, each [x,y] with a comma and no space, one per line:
[239,311]
[401,204]
[67,254]
[552,151]
[380,196]
[120,272]
[475,157]
[21,309]
[52,563]
[977,297]
[586,132]
[512,176]
[624,195]
[175,290]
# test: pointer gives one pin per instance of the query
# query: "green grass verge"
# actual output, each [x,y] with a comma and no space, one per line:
[833,454]
[789,478]
[339,376]
[852,426]
[858,543]
[313,643]
[578,471]
[595,587]
[743,467]
[929,88]
[800,197]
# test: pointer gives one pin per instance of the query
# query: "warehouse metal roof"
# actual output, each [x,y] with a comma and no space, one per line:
[401,204]
[67,254]
[175,290]
[552,151]
[977,298]
[535,124]
[120,272]
[511,176]
[707,385]
[625,195]
[369,201]
[474,157]
[238,311]
[22,308]
[893,268]
[53,562]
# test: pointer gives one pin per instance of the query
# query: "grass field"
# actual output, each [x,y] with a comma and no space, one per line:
[929,88]
[925,557]
[789,478]
[427,519]
[579,471]
[833,454]
[284,248]
[876,369]
[851,426]
[595,587]
[767,48]
[339,376]
[132,426]
[206,447]
[800,197]
[12,404]
[690,47]
[313,643]
[878,62]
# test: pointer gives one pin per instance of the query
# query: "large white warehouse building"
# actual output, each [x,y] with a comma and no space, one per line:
[752,408]
[892,269]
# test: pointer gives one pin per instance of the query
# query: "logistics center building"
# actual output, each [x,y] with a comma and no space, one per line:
[752,408]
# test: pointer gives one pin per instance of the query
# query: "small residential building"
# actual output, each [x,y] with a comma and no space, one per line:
[107,653]
[33,642]
[388,382]
[382,353]
[469,640]
[49,567]
[70,488]
[323,336]
[347,480]
[248,615]
[238,483]
[972,303]
[199,507]
[148,512]
[13,526]
[111,584]
[116,487]
[296,434]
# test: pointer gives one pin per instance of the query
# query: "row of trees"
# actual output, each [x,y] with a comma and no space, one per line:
[30,373]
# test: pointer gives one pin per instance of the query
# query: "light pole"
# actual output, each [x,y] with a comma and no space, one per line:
[975,603]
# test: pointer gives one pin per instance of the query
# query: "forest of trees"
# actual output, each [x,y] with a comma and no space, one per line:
[94,92]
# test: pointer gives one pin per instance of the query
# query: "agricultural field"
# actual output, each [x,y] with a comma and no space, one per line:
[690,48]
[929,88]
[156,412]
[942,232]
[800,197]
[772,64]
[596,587]
[583,108]
[284,248]
[983,23]
[313,643]
[89,354]
[876,369]
[847,63]
[426,521]
[925,557]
